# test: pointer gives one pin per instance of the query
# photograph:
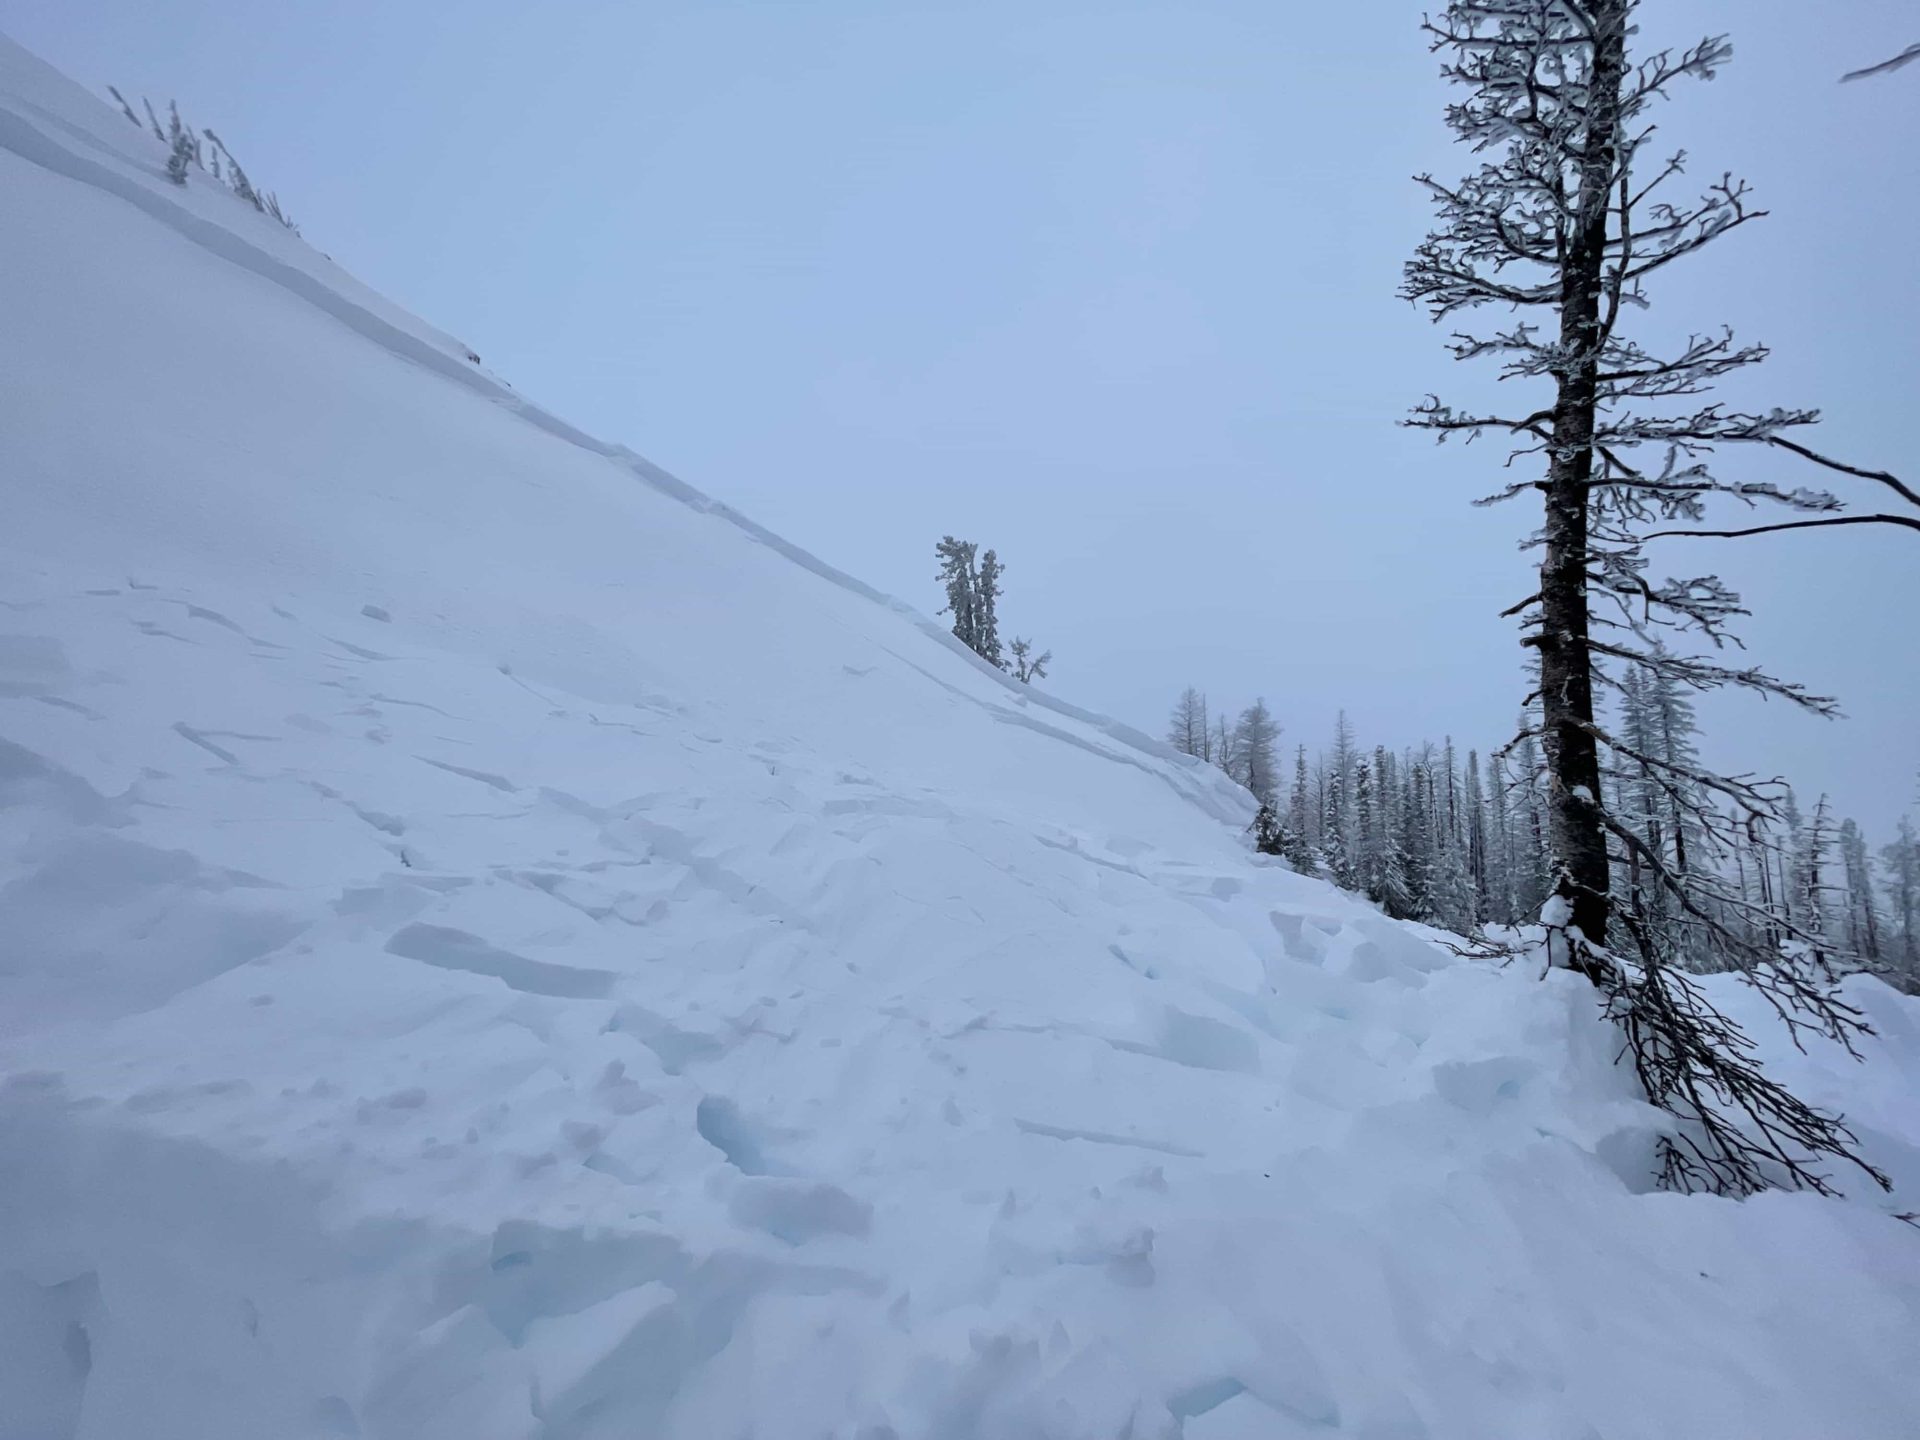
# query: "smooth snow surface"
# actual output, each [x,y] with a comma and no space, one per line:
[493,946]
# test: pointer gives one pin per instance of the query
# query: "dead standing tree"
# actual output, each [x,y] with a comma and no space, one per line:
[1562,226]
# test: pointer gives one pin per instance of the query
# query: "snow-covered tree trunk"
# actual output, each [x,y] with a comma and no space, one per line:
[1566,657]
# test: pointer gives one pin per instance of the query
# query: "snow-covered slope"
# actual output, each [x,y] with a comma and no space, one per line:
[493,945]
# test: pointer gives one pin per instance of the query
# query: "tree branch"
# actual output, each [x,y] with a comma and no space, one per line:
[1907,520]
[1906,493]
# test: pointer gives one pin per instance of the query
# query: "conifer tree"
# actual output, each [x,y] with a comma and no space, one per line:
[1336,855]
[184,146]
[1477,856]
[1673,729]
[1901,861]
[1389,805]
[1501,848]
[1557,221]
[127,110]
[960,575]
[1369,857]
[1417,830]
[1464,845]
[972,584]
[987,610]
[1300,840]
[1863,920]
[1187,728]
[1532,882]
[1269,834]
[1813,881]
[1565,219]
[1226,749]
[185,152]
[1027,666]
[1339,840]
[1764,928]
[1789,885]
[1255,734]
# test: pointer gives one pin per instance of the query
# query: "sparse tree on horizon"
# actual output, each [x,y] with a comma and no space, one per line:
[1187,728]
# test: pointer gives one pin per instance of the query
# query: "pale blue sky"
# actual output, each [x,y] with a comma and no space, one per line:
[1109,287]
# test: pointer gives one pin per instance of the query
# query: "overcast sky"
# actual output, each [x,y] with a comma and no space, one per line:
[1108,287]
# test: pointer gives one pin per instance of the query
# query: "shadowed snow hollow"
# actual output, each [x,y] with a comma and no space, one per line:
[494,946]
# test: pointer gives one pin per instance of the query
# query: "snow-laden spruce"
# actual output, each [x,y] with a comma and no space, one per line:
[494,945]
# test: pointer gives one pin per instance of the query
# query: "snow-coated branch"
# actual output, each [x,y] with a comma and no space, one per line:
[1703,675]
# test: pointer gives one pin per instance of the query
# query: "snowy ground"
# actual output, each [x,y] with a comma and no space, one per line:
[493,946]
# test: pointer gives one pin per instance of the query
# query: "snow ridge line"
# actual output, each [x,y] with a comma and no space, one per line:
[1193,778]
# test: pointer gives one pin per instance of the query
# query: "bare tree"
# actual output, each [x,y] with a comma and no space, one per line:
[1562,226]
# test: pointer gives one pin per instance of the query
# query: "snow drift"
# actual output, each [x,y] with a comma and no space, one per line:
[494,945]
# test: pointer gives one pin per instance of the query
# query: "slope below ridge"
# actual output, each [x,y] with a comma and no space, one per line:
[54,125]
[493,945]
